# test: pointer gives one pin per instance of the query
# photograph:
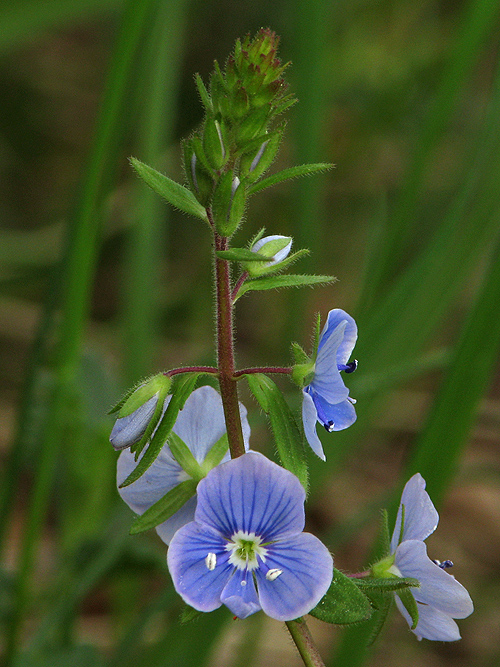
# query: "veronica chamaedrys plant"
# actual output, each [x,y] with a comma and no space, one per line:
[326,398]
[245,547]
[440,597]
[200,425]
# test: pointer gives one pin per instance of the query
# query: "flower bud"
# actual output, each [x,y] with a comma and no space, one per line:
[137,409]
[213,143]
[275,247]
[228,204]
[254,163]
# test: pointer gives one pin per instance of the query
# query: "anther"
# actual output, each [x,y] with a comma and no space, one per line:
[329,426]
[444,565]
[211,561]
[273,574]
[348,368]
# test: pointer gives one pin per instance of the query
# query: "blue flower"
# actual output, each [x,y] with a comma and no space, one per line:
[326,398]
[246,548]
[440,597]
[200,425]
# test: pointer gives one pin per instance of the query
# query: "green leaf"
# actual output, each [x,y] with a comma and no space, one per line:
[343,603]
[216,454]
[276,282]
[164,508]
[386,585]
[383,607]
[286,174]
[175,193]
[410,604]
[184,457]
[181,390]
[241,255]
[287,435]
[189,614]
[205,97]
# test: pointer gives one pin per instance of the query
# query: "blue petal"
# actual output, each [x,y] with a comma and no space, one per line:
[309,419]
[163,475]
[437,588]
[240,595]
[327,379]
[251,494]
[307,569]
[341,414]
[196,584]
[350,334]
[168,528]
[129,430]
[432,624]
[201,422]
[421,517]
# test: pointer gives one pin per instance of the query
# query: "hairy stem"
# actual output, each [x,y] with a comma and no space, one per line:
[263,369]
[304,643]
[225,349]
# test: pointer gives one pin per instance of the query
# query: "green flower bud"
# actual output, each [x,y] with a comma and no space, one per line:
[256,162]
[213,143]
[275,247]
[228,204]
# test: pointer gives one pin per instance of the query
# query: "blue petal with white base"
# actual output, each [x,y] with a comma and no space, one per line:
[326,398]
[246,548]
[200,425]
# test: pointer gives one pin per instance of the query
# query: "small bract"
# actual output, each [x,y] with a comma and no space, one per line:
[245,547]
[200,425]
[326,398]
[440,597]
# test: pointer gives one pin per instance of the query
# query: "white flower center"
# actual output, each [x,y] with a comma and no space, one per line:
[244,548]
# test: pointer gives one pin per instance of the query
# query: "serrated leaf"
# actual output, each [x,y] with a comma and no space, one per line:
[287,435]
[287,174]
[241,255]
[189,614]
[166,507]
[184,457]
[175,193]
[380,616]
[410,604]
[343,603]
[181,390]
[277,282]
[386,585]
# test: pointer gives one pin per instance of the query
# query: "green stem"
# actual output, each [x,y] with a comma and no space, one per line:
[225,350]
[303,641]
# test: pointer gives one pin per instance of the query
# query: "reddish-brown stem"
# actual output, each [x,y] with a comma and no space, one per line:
[239,283]
[360,575]
[225,350]
[263,369]
[192,369]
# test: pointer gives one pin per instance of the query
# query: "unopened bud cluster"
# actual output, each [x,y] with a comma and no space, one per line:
[236,143]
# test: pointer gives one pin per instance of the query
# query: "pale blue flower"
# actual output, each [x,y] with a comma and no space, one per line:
[326,398]
[440,597]
[200,425]
[245,547]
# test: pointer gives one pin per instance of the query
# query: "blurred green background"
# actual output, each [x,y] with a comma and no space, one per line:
[101,284]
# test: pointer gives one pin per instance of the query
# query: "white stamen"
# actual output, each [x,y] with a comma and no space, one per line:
[273,574]
[211,561]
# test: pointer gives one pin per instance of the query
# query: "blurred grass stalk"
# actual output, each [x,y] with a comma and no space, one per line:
[417,304]
[156,98]
[77,279]
[478,19]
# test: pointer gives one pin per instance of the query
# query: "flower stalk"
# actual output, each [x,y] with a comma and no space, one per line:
[225,348]
[303,641]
